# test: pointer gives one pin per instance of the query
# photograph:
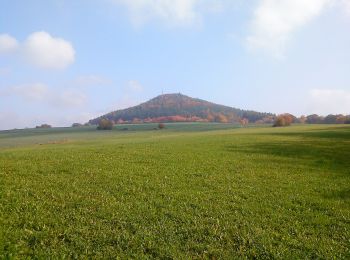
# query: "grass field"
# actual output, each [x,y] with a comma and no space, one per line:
[188,191]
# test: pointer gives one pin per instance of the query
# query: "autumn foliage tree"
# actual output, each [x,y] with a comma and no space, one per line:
[283,120]
[221,118]
[210,118]
[105,124]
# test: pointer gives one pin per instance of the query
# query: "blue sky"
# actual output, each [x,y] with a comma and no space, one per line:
[67,61]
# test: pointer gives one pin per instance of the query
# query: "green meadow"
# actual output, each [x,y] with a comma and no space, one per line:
[212,191]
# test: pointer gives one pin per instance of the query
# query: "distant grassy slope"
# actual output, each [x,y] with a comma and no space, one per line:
[257,192]
[20,137]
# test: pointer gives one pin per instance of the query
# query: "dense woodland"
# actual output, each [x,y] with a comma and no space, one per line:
[181,108]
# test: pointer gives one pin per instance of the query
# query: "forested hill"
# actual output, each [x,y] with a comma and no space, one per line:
[181,108]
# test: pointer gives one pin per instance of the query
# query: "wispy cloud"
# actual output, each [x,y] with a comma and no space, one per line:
[329,101]
[346,5]
[91,80]
[5,71]
[177,12]
[10,119]
[8,44]
[135,86]
[70,98]
[42,93]
[123,102]
[28,92]
[275,22]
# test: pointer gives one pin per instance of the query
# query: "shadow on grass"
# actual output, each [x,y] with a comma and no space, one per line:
[335,132]
[328,155]
[328,146]
[339,195]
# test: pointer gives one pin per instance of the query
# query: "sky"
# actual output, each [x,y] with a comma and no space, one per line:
[64,61]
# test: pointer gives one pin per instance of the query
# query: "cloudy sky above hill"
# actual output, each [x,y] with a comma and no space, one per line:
[67,61]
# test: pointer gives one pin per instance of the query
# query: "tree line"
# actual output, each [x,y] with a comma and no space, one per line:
[287,119]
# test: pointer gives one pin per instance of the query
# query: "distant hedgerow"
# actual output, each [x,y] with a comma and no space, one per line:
[44,126]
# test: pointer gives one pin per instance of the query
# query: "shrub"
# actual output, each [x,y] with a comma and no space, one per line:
[43,126]
[161,126]
[105,124]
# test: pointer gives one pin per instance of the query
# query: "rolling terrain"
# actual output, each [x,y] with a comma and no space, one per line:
[188,191]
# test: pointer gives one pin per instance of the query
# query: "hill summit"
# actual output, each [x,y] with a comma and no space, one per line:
[181,108]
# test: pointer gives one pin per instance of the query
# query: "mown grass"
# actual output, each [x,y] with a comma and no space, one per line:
[176,193]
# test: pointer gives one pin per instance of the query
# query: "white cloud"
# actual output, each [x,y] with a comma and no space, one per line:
[175,12]
[275,21]
[135,86]
[329,101]
[40,49]
[8,44]
[45,51]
